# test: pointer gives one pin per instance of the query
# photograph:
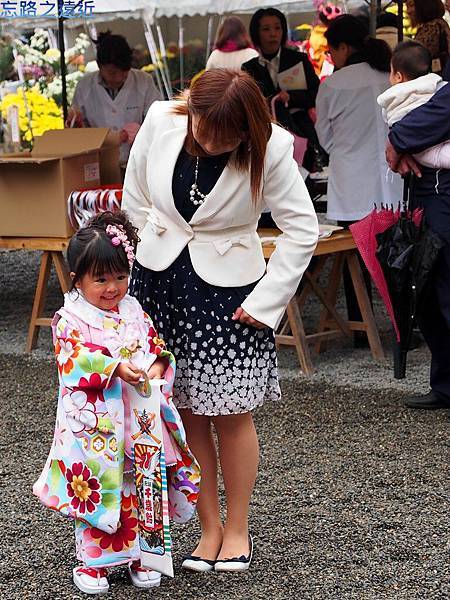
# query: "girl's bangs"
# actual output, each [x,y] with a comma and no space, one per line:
[108,259]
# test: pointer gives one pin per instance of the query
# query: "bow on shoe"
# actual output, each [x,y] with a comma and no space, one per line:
[222,246]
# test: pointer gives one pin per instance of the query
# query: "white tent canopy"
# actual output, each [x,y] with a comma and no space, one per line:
[106,10]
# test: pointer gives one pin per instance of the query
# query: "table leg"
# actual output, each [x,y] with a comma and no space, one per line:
[298,333]
[332,291]
[39,300]
[61,271]
[365,307]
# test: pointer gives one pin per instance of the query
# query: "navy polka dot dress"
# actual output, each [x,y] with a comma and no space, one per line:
[223,367]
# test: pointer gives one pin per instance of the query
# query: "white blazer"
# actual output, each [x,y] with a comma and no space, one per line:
[223,244]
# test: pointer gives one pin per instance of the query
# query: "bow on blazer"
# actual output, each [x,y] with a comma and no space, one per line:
[223,244]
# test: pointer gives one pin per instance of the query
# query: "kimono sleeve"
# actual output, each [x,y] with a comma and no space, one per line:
[80,361]
[157,346]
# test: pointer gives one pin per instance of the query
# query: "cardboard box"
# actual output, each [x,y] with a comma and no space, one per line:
[34,187]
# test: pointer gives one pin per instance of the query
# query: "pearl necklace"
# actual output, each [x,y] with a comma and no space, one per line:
[195,195]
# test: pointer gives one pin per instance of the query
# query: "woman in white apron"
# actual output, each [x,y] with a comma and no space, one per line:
[115,96]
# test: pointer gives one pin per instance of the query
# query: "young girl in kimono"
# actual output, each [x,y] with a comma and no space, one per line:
[105,346]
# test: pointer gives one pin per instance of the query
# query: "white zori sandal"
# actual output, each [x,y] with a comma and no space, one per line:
[143,578]
[91,580]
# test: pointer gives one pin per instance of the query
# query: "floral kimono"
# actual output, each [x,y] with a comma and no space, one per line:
[91,472]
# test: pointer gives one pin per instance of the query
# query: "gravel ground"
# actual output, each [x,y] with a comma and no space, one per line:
[350,503]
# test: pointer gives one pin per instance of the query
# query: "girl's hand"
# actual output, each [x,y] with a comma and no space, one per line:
[157,369]
[243,317]
[128,372]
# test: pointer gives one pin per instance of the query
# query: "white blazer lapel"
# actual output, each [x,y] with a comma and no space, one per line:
[160,173]
[231,184]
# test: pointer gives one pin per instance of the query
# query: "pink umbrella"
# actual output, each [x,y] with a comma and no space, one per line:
[364,233]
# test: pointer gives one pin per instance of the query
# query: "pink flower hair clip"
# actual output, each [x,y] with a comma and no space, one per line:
[118,236]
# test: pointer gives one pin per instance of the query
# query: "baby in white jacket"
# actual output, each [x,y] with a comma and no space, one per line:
[413,84]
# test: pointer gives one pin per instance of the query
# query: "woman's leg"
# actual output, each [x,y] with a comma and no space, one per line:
[201,442]
[239,458]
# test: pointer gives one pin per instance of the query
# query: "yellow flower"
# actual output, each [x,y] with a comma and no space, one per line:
[37,115]
[52,53]
[80,487]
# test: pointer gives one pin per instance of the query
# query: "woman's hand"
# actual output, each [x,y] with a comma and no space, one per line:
[74,118]
[157,369]
[243,317]
[282,96]
[128,372]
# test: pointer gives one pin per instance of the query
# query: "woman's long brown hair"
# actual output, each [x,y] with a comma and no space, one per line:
[232,29]
[229,105]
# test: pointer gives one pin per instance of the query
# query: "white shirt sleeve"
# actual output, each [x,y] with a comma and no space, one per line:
[324,128]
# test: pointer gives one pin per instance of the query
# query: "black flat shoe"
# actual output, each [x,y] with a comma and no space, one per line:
[240,563]
[427,402]
[197,564]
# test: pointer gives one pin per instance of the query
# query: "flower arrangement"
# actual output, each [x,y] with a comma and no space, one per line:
[193,61]
[40,64]
[37,113]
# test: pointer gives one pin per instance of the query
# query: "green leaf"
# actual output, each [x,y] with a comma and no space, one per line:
[84,363]
[110,501]
[55,473]
[105,425]
[110,479]
[98,364]
[94,466]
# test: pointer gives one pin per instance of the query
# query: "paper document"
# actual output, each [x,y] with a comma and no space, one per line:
[293,78]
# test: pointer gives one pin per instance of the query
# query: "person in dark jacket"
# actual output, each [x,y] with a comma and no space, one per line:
[423,128]
[268,31]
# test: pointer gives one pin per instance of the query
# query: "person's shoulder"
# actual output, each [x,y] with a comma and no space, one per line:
[252,64]
[87,80]
[358,74]
[279,141]
[141,77]
[248,53]
[162,115]
[292,56]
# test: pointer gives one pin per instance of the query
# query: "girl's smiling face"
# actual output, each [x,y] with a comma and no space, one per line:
[103,291]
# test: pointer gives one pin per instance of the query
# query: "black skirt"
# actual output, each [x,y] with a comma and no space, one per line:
[223,367]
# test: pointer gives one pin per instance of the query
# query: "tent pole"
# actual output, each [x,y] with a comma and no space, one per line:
[62,52]
[181,50]
[162,50]
[153,54]
[400,20]
[209,38]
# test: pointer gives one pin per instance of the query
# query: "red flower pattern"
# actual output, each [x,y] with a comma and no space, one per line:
[92,387]
[126,533]
[83,488]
